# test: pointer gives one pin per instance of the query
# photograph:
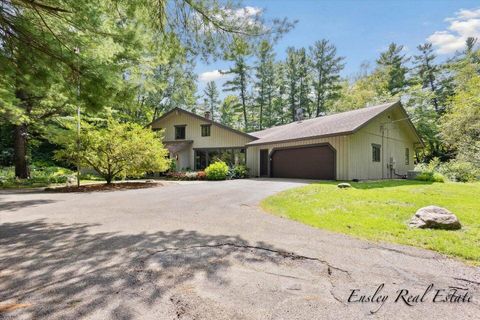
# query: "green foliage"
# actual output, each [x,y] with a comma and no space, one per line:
[211,99]
[238,53]
[460,171]
[265,84]
[41,176]
[460,126]
[217,171]
[326,74]
[118,150]
[239,172]
[430,171]
[392,62]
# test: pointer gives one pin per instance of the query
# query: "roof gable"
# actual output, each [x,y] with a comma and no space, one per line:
[191,114]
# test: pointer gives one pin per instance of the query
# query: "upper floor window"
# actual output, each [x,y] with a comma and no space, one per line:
[205,130]
[407,156]
[179,132]
[375,152]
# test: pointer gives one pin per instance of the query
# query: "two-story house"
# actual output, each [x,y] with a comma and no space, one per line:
[377,142]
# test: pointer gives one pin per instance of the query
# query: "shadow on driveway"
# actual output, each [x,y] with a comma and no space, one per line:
[17,205]
[64,271]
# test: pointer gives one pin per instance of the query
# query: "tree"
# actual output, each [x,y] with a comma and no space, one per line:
[460,125]
[229,111]
[211,98]
[118,150]
[293,77]
[326,74]
[392,62]
[117,41]
[265,84]
[238,53]
[280,114]
[304,78]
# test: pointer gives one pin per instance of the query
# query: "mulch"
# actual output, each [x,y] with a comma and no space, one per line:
[106,187]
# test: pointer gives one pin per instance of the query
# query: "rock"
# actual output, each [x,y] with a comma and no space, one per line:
[433,217]
[344,185]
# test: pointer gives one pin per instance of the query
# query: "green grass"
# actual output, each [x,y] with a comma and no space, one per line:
[379,211]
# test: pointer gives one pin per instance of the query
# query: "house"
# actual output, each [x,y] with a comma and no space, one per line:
[375,142]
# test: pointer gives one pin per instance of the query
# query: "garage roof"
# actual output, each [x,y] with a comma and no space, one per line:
[330,125]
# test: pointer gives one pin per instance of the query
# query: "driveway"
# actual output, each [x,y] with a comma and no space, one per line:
[206,250]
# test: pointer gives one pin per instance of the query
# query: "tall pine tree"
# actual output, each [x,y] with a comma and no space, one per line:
[238,53]
[392,62]
[326,67]
[211,98]
[264,85]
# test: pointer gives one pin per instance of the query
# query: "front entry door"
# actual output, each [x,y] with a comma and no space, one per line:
[264,163]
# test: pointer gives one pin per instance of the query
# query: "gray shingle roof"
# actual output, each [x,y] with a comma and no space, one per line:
[330,125]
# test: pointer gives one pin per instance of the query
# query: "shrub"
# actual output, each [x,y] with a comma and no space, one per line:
[217,171]
[39,176]
[201,175]
[239,172]
[461,171]
[430,176]
[429,171]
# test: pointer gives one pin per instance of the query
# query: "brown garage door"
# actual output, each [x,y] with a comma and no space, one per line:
[312,162]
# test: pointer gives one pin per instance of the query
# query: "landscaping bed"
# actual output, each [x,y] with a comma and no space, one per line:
[105,187]
[380,211]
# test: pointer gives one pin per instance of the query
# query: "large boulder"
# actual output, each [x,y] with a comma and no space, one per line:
[433,217]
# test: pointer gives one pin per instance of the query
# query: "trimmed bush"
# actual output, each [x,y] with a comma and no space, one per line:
[217,171]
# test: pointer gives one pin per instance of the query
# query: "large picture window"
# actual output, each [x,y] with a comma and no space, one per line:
[179,132]
[231,156]
[376,149]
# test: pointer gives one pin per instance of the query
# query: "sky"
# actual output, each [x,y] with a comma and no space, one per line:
[362,29]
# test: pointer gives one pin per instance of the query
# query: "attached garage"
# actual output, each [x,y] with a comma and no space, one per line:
[304,162]
[369,143]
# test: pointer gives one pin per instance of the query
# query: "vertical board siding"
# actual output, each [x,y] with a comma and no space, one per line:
[339,143]
[397,137]
[219,137]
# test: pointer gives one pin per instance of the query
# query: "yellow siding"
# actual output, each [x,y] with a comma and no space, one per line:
[219,137]
[396,137]
[339,143]
[354,152]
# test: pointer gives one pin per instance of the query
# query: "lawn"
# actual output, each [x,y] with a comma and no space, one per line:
[379,211]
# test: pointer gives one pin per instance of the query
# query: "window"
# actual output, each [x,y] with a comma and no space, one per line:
[179,132]
[232,156]
[205,130]
[407,156]
[375,152]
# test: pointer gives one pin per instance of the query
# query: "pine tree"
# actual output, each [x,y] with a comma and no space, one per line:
[265,75]
[326,67]
[211,98]
[292,76]
[304,81]
[392,62]
[238,53]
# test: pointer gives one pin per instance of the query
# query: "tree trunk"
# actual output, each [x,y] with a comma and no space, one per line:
[20,139]
[20,151]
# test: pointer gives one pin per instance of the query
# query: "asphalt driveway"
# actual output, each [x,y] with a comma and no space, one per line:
[206,251]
